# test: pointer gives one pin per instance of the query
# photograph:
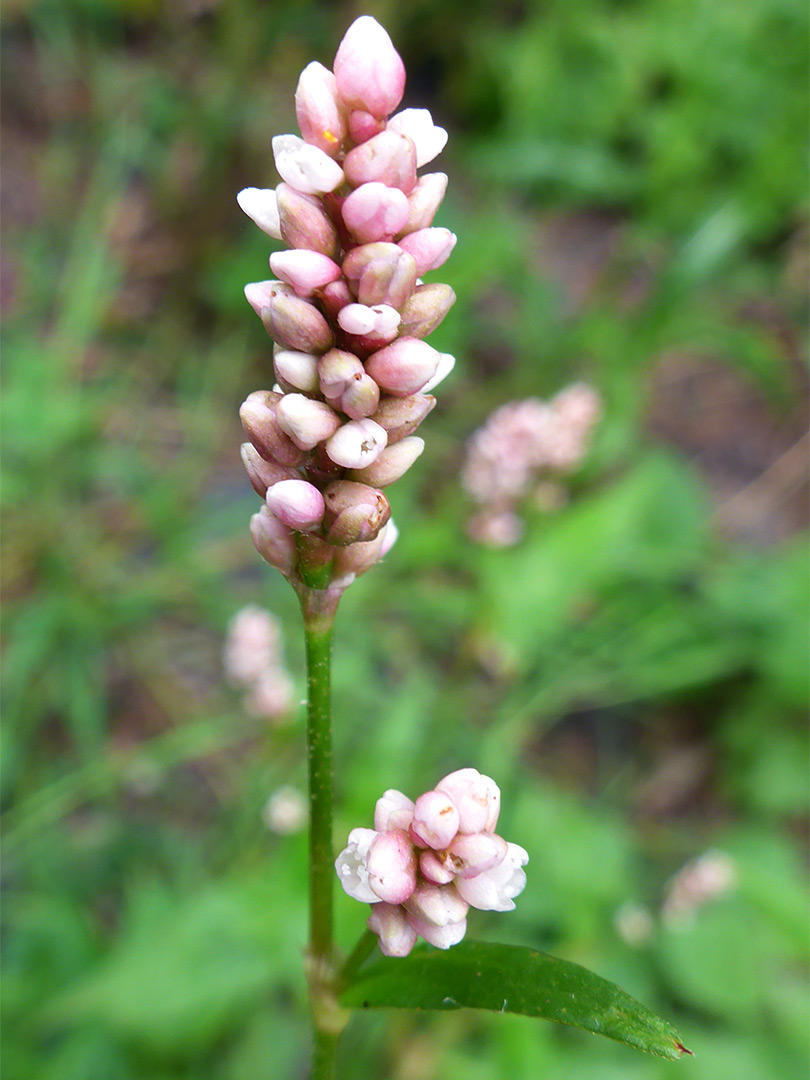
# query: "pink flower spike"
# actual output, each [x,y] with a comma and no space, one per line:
[351,867]
[477,852]
[435,820]
[304,167]
[430,248]
[437,904]
[305,270]
[390,923]
[392,866]
[374,211]
[443,937]
[261,206]
[369,71]
[393,811]
[477,797]
[296,503]
[318,109]
[356,444]
[495,889]
[427,137]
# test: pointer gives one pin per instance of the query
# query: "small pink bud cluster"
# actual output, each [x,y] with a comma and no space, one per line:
[347,309]
[518,443]
[425,863]
[254,663]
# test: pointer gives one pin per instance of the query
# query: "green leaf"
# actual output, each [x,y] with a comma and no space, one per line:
[511,978]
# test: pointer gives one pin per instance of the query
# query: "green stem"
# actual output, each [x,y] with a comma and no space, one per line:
[318,607]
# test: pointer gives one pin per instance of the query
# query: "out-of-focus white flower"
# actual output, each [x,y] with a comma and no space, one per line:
[285,811]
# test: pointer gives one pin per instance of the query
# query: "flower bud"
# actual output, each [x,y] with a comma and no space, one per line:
[258,414]
[305,270]
[295,323]
[427,137]
[476,853]
[392,463]
[318,109]
[436,904]
[380,273]
[477,797]
[425,308]
[388,158]
[304,223]
[403,367]
[336,369]
[334,297]
[435,820]
[361,321]
[392,866]
[354,513]
[390,923]
[424,201]
[430,248]
[305,167]
[297,504]
[273,541]
[393,810]
[400,416]
[437,867]
[495,889]
[356,444]
[368,70]
[297,370]
[261,206]
[307,422]
[364,126]
[442,937]
[375,212]
[263,474]
[360,398]
[351,867]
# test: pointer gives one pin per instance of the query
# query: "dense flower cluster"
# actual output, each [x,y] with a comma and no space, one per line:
[425,863]
[347,309]
[254,663]
[520,442]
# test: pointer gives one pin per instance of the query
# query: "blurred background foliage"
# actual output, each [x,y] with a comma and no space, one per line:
[628,187]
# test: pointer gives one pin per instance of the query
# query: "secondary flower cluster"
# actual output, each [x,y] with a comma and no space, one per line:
[254,662]
[518,442]
[347,309]
[425,863]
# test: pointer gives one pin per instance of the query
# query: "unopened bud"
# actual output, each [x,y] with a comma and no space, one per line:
[307,422]
[435,820]
[404,366]
[273,541]
[393,810]
[476,853]
[391,866]
[258,414]
[380,273]
[261,473]
[392,463]
[369,71]
[336,369]
[297,370]
[319,111]
[305,270]
[295,323]
[356,444]
[430,248]
[304,223]
[261,206]
[358,558]
[375,212]
[297,504]
[362,321]
[334,297]
[437,904]
[425,308]
[360,398]
[390,923]
[436,867]
[388,158]
[428,138]
[424,201]
[477,797]
[401,416]
[445,366]
[305,167]
[354,513]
